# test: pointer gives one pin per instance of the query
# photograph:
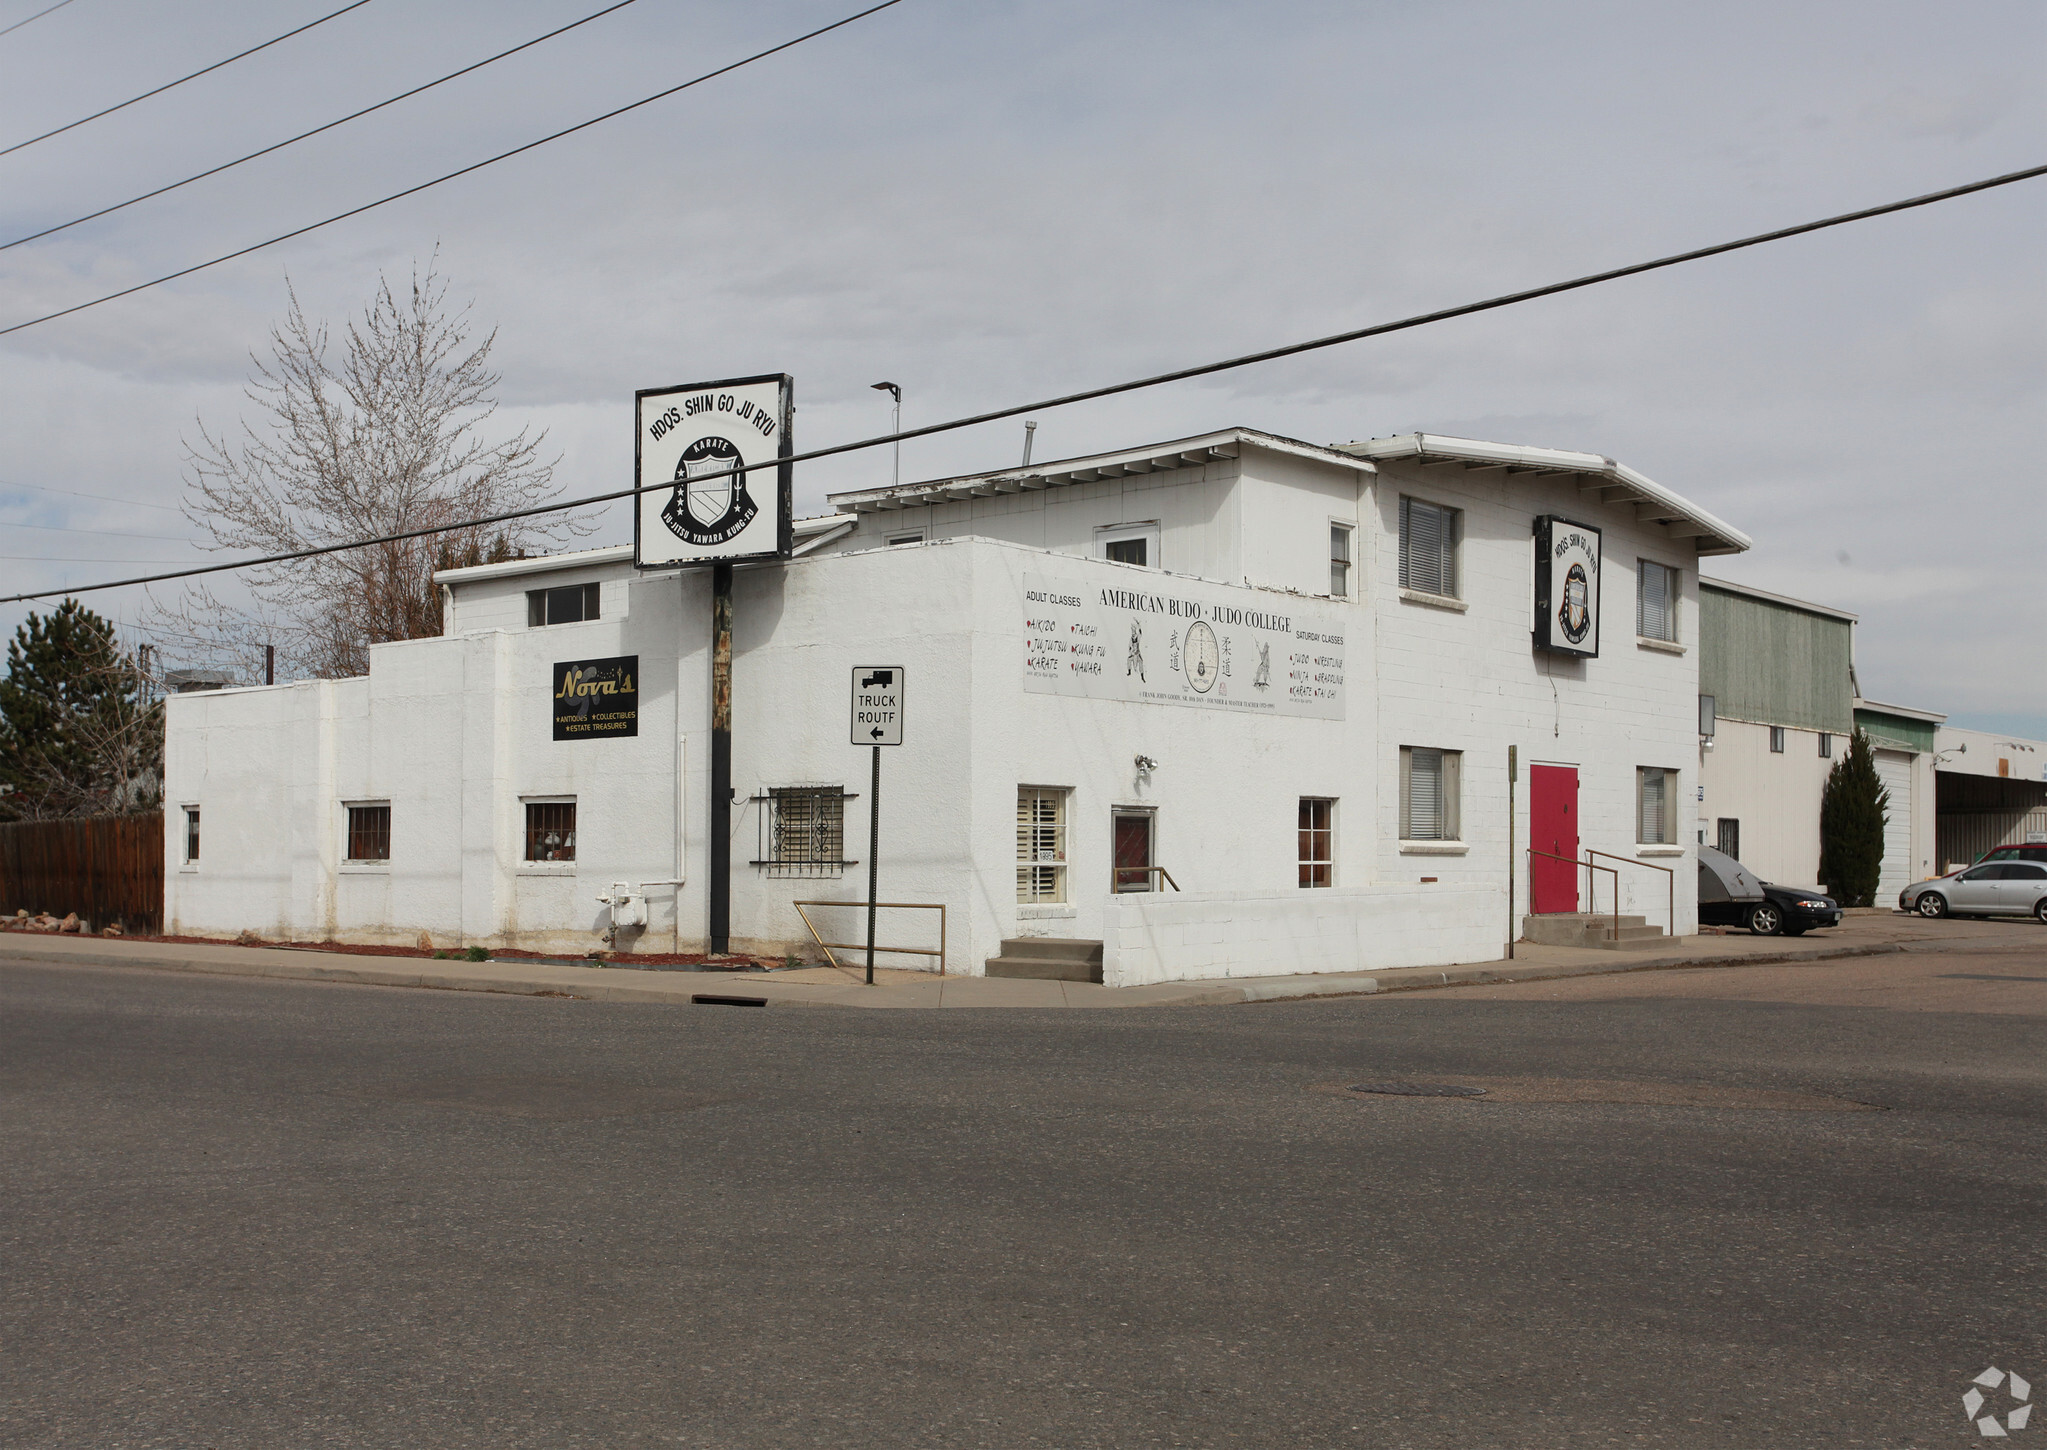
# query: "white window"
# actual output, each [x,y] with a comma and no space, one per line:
[1656,806]
[1826,746]
[1776,739]
[551,831]
[1428,547]
[1040,844]
[191,835]
[1339,560]
[369,832]
[1317,841]
[570,604]
[1428,793]
[1655,600]
[1130,544]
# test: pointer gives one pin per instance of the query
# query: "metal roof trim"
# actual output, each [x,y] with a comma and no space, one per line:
[1903,712]
[1728,586]
[1059,472]
[1722,536]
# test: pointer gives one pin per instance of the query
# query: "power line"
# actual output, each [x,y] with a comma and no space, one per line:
[8,483]
[1420,319]
[37,16]
[305,135]
[6,524]
[208,70]
[464,171]
[59,559]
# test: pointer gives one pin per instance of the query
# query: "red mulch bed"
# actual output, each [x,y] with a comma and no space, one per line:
[635,959]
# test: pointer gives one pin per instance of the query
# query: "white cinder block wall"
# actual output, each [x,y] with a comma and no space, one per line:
[456,733]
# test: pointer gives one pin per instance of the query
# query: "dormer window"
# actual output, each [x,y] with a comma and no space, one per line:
[1130,544]
[570,604]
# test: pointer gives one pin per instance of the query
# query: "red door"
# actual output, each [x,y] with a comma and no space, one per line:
[1133,851]
[1553,827]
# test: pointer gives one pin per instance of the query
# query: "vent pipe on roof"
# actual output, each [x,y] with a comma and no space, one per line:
[1029,430]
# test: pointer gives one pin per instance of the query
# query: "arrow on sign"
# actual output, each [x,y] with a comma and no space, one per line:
[877,732]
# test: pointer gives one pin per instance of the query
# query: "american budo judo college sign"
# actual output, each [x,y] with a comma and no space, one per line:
[711,463]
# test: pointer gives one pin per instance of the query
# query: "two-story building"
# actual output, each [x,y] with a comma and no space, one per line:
[1226,705]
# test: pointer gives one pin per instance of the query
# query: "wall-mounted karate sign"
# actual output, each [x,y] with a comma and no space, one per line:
[1566,586]
[696,509]
[597,698]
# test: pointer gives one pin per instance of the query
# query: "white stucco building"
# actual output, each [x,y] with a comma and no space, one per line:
[1287,676]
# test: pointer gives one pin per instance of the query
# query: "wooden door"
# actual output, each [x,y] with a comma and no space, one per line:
[1553,828]
[1133,851]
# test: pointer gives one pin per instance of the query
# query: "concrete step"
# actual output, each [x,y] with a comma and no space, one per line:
[1048,959]
[1053,948]
[1588,929]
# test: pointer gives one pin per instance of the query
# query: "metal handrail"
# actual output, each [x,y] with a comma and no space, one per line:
[1590,897]
[848,946]
[1671,884]
[1116,877]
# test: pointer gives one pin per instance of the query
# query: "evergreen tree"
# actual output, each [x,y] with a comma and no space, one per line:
[76,734]
[1853,811]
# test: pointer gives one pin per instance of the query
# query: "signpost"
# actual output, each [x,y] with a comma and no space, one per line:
[709,460]
[877,720]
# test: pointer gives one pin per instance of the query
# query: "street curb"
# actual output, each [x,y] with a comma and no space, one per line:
[601,986]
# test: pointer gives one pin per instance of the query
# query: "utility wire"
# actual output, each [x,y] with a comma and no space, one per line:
[464,171]
[305,135]
[37,16]
[1421,319]
[72,125]
[8,484]
[6,524]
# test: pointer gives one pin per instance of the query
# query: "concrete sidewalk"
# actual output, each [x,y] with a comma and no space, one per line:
[1864,934]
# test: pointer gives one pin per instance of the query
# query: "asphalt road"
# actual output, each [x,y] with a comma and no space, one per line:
[265,1214]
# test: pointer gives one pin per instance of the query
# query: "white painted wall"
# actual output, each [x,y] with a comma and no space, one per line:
[456,733]
[1775,797]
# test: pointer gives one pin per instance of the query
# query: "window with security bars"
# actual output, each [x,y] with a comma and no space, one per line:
[1040,844]
[1655,600]
[1429,788]
[1317,841]
[550,830]
[369,833]
[191,835]
[1428,547]
[1339,560]
[1655,806]
[804,829]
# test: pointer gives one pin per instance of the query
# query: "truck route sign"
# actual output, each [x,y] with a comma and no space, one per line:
[877,704]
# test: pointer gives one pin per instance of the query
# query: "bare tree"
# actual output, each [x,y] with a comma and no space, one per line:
[392,437]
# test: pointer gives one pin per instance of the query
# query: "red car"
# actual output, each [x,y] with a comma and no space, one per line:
[2031,851]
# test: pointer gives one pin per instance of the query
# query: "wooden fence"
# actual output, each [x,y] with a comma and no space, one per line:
[105,868]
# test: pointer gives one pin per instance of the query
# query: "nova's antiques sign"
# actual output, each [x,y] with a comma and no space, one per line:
[706,456]
[595,698]
[1179,643]
[1566,586]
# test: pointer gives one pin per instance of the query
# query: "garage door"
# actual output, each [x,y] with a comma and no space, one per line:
[1894,769]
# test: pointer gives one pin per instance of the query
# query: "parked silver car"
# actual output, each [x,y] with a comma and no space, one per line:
[1999,888]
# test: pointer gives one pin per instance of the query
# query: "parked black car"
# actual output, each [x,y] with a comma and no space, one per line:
[1730,896]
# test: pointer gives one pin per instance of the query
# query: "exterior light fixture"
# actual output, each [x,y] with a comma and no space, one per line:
[897,393]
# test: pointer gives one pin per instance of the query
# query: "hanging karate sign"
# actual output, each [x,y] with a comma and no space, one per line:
[707,458]
[1566,586]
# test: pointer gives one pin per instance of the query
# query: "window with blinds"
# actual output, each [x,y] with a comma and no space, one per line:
[1428,547]
[1655,600]
[1655,806]
[1040,844]
[1429,788]
[1317,841]
[806,830]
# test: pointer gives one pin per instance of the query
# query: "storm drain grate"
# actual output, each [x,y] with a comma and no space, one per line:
[706,999]
[1419,1089]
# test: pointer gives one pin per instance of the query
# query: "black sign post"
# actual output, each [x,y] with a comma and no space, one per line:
[877,721]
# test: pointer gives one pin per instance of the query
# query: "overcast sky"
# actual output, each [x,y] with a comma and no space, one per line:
[992,202]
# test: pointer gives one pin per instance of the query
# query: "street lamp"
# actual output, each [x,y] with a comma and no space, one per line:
[897,393]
